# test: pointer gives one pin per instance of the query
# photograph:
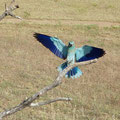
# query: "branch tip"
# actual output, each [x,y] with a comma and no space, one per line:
[17,6]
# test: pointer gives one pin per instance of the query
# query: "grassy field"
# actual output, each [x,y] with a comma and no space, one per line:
[26,66]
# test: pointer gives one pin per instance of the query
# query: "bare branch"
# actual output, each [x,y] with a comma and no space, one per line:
[73,65]
[8,11]
[11,14]
[5,6]
[57,82]
[49,101]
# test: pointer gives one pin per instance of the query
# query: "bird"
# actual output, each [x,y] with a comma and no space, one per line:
[69,53]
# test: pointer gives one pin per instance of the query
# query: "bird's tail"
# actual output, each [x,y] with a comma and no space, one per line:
[73,73]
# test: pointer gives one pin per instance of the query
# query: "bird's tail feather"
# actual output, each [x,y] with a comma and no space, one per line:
[73,73]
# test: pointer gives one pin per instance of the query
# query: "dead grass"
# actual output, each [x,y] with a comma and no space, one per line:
[26,66]
[104,10]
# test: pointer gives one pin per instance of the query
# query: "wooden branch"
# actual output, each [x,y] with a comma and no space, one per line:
[57,82]
[11,14]
[49,101]
[8,11]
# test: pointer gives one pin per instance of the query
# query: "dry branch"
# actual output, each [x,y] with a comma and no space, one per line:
[49,101]
[8,11]
[29,102]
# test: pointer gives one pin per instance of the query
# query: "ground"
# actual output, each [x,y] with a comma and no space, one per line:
[26,66]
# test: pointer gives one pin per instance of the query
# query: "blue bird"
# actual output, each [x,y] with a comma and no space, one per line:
[70,52]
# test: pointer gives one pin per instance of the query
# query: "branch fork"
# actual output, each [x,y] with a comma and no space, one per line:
[29,101]
[9,9]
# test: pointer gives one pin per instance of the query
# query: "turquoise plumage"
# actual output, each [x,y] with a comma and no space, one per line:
[70,52]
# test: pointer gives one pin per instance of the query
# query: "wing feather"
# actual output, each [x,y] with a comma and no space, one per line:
[54,44]
[88,53]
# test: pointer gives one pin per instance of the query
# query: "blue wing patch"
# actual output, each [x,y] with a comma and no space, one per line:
[88,53]
[54,44]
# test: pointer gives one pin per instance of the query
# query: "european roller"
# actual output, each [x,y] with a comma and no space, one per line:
[70,53]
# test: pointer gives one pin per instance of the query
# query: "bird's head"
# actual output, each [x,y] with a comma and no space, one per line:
[71,43]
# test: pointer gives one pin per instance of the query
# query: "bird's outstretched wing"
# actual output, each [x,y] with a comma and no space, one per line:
[54,44]
[88,53]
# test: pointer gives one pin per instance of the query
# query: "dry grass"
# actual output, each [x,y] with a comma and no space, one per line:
[105,10]
[26,66]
